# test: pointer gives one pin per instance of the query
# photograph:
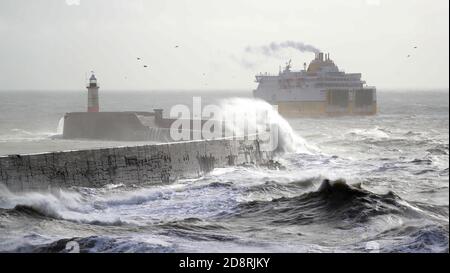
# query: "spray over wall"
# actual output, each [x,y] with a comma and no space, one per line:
[254,115]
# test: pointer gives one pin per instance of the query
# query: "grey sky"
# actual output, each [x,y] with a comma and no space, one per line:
[48,44]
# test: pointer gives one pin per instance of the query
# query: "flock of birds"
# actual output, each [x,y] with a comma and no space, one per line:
[409,55]
[177,46]
[145,65]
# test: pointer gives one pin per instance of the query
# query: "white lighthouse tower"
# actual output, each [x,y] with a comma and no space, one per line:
[92,88]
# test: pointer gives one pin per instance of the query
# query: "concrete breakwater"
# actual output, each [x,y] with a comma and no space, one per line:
[158,163]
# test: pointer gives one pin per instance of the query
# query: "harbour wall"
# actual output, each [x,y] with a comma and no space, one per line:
[137,165]
[124,126]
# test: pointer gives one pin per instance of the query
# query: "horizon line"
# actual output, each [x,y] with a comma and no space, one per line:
[383,89]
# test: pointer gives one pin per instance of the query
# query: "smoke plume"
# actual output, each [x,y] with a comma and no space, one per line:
[273,48]
[256,55]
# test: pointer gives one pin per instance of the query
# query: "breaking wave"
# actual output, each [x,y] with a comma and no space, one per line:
[258,116]
[335,202]
[59,204]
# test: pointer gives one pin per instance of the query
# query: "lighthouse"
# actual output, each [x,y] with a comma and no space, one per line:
[92,88]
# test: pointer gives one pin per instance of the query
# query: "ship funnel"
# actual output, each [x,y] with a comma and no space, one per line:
[321,56]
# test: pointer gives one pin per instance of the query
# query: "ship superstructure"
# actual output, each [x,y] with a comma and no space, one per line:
[319,89]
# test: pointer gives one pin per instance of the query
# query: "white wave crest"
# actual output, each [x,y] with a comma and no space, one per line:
[59,204]
[259,115]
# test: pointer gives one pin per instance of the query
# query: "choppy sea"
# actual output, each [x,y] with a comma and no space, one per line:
[354,184]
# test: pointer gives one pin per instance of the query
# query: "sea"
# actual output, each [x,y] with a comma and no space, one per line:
[352,184]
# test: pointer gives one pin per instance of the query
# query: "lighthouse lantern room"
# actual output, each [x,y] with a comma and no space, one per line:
[92,87]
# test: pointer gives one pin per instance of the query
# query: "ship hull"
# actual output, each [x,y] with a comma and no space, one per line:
[321,109]
[325,103]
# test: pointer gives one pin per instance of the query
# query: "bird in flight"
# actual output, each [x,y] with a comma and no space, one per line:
[138,58]
[145,66]
[176,46]
[415,47]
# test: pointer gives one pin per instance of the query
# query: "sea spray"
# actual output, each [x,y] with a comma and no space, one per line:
[58,204]
[237,117]
[254,115]
[60,128]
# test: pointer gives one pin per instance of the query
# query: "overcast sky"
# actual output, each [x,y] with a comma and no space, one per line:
[51,44]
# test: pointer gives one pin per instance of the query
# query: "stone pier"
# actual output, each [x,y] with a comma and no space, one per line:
[138,165]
